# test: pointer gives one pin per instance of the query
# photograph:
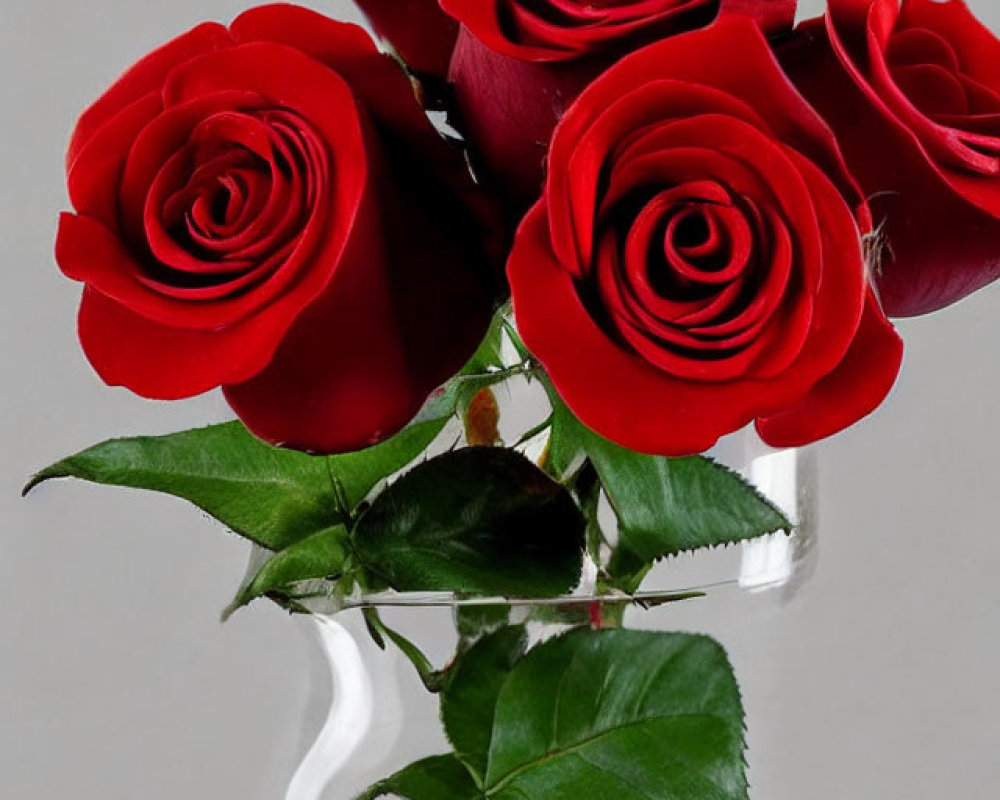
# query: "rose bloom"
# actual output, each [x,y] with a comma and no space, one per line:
[418,30]
[913,92]
[696,259]
[518,64]
[266,208]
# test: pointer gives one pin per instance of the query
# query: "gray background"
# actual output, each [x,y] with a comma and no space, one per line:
[117,682]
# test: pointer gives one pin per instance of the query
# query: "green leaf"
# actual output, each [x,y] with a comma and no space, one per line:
[319,555]
[666,506]
[478,520]
[631,715]
[434,778]
[359,472]
[474,621]
[470,697]
[489,354]
[587,488]
[590,715]
[566,452]
[269,495]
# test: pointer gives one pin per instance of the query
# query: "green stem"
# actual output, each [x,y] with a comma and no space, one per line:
[432,679]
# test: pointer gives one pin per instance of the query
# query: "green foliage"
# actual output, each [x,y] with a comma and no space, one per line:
[589,715]
[664,506]
[668,505]
[358,473]
[320,555]
[615,713]
[271,496]
[477,520]
[469,701]
[435,778]
[474,621]
[284,501]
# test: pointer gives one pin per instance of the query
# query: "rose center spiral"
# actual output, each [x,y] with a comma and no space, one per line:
[690,278]
[228,209]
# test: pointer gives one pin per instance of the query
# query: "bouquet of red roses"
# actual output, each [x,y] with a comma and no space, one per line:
[676,217]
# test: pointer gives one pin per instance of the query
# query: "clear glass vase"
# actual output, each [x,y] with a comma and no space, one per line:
[370,715]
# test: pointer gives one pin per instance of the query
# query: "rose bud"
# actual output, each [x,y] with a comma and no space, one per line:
[266,208]
[418,30]
[518,65]
[913,92]
[696,259]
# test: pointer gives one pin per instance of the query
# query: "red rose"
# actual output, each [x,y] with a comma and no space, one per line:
[518,65]
[419,30]
[913,92]
[696,261]
[265,208]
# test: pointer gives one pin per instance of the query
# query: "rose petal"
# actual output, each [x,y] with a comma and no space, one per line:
[742,67]
[562,30]
[979,49]
[852,391]
[952,147]
[206,85]
[145,76]
[508,108]
[617,394]
[93,178]
[933,90]
[920,46]
[630,401]
[418,30]
[941,246]
[361,360]
[378,82]
[165,363]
